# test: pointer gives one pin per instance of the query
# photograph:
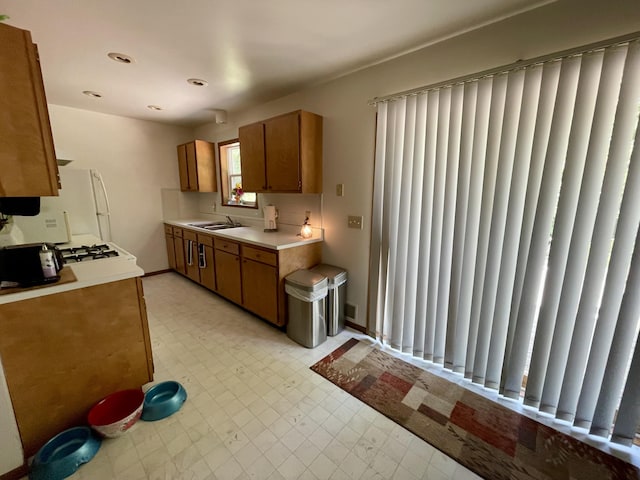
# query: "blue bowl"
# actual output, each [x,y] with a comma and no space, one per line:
[61,456]
[162,400]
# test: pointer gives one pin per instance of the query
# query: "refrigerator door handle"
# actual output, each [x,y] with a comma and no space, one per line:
[106,235]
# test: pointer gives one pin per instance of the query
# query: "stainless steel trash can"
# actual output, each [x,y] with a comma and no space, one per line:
[336,296]
[306,292]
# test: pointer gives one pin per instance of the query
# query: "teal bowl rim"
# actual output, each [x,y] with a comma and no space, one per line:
[152,412]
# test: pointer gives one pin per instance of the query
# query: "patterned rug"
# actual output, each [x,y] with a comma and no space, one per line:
[487,438]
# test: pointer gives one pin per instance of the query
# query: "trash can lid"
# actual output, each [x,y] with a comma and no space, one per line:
[306,280]
[335,275]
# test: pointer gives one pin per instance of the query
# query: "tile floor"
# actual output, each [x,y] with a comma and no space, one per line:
[255,410]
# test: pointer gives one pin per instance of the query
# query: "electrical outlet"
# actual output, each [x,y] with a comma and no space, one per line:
[340,190]
[354,221]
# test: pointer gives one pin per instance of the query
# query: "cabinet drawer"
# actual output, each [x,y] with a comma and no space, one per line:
[177,232]
[270,258]
[168,229]
[205,239]
[227,246]
[187,235]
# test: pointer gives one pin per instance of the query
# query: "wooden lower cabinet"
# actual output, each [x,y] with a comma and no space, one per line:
[171,252]
[64,352]
[228,276]
[250,276]
[260,289]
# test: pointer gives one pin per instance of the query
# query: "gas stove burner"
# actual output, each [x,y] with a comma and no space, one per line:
[86,253]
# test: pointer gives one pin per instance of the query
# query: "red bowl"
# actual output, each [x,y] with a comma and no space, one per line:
[116,413]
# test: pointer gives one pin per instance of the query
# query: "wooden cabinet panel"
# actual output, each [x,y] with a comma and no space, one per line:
[206,261]
[207,267]
[252,157]
[282,146]
[55,375]
[178,248]
[191,255]
[196,166]
[228,276]
[227,246]
[260,289]
[171,253]
[260,255]
[27,155]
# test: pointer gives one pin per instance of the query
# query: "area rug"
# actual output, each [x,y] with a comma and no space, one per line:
[487,438]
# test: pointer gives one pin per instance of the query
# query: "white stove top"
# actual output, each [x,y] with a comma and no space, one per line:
[86,248]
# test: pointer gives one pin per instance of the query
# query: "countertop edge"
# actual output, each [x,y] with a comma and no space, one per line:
[291,242]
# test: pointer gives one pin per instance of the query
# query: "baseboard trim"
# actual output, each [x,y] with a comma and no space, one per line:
[151,274]
[16,473]
[355,326]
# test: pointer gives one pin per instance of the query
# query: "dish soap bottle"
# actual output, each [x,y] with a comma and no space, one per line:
[46,261]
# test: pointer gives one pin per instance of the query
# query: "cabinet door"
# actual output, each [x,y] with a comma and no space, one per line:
[207,270]
[282,145]
[27,156]
[192,167]
[191,256]
[228,276]
[182,168]
[171,253]
[178,248]
[260,289]
[252,157]
[204,165]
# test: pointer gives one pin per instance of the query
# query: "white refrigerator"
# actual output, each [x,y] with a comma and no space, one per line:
[82,207]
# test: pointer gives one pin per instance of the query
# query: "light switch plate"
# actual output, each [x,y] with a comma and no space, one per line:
[340,189]
[355,221]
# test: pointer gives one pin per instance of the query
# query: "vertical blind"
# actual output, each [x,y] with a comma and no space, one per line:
[504,233]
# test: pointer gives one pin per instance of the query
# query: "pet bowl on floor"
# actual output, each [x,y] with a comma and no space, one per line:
[162,400]
[116,413]
[61,456]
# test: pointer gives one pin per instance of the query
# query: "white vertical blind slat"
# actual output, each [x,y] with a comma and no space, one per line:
[564,221]
[603,232]
[448,225]
[586,209]
[376,262]
[444,111]
[413,247]
[424,232]
[462,201]
[427,217]
[545,210]
[496,118]
[628,418]
[403,157]
[506,152]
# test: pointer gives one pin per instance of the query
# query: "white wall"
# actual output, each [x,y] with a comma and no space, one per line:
[349,122]
[136,158]
[11,455]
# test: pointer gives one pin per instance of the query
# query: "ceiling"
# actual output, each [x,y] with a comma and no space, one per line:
[249,51]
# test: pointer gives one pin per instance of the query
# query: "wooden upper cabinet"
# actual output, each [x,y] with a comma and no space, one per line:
[252,157]
[283,154]
[196,165]
[27,155]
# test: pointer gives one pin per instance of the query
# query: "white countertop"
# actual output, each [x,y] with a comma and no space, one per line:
[287,236]
[88,274]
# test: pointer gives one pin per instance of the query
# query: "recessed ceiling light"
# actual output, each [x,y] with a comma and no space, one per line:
[90,93]
[198,82]
[120,57]
[154,107]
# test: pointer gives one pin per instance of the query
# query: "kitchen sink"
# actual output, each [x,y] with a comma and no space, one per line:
[215,225]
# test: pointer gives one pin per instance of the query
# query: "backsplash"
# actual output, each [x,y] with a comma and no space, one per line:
[291,207]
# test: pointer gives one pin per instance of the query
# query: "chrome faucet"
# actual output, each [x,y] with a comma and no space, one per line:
[229,221]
